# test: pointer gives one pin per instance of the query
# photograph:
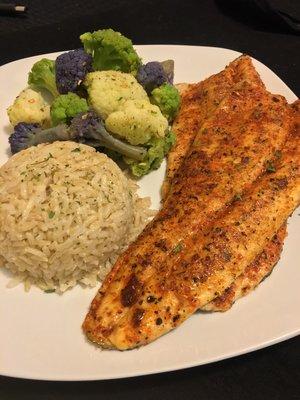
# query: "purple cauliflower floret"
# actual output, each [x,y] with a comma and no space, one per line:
[84,123]
[88,128]
[151,75]
[70,70]
[27,135]
[23,136]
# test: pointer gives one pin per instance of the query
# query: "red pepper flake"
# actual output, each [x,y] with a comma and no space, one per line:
[281,183]
[245,160]
[161,244]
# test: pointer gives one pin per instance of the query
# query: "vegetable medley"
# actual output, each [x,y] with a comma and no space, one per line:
[103,96]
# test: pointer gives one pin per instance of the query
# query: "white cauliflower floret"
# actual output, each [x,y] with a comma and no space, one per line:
[29,106]
[108,90]
[137,121]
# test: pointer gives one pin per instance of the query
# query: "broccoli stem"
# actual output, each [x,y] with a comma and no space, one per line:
[51,86]
[59,132]
[100,137]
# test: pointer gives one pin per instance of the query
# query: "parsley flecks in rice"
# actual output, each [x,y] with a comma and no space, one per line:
[60,225]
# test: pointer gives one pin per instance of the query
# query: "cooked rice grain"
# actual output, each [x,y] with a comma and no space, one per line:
[66,212]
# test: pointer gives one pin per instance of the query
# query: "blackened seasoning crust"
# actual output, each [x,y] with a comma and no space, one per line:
[137,317]
[129,294]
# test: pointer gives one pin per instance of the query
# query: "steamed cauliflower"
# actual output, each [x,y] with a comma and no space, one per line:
[30,107]
[109,90]
[137,121]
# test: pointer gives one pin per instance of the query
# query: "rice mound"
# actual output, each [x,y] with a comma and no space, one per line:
[66,212]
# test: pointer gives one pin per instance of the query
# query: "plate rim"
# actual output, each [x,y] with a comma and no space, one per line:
[186,366]
[181,365]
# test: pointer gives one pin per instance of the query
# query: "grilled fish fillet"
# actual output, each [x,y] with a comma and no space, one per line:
[262,265]
[265,262]
[212,260]
[254,273]
[229,153]
[198,102]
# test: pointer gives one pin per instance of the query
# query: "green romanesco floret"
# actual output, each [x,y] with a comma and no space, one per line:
[109,90]
[157,148]
[65,107]
[167,98]
[137,121]
[42,75]
[30,107]
[111,51]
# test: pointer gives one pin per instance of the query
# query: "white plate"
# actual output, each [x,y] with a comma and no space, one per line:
[40,334]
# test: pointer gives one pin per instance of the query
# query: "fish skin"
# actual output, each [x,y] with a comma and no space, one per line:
[212,173]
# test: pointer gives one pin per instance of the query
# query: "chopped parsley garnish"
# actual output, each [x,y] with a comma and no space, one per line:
[49,156]
[237,197]
[77,150]
[51,214]
[177,248]
[270,167]
[278,154]
[49,290]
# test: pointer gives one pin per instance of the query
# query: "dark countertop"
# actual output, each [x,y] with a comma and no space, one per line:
[271,373]
[56,25]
